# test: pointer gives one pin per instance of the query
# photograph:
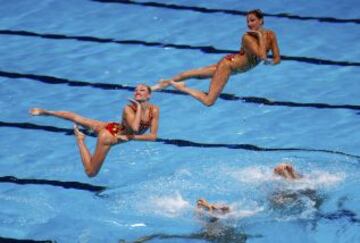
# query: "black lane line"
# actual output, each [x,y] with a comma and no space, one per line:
[224,96]
[204,49]
[251,147]
[64,184]
[180,142]
[12,240]
[341,214]
[227,11]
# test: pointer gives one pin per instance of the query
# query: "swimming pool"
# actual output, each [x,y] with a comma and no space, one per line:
[87,56]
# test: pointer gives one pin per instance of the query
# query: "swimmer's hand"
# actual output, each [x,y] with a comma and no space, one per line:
[135,102]
[255,33]
[268,62]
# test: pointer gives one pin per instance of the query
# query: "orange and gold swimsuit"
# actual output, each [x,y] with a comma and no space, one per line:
[114,128]
[117,128]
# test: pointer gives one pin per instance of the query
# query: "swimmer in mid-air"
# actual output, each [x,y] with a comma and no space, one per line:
[286,171]
[137,118]
[256,43]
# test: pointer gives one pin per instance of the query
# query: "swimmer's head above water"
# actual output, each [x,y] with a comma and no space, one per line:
[286,171]
[142,93]
[255,19]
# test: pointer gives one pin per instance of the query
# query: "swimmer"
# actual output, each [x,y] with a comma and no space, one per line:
[137,118]
[293,199]
[256,43]
[286,171]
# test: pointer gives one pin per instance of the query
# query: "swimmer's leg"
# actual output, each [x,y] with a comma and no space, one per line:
[71,116]
[200,73]
[218,82]
[93,163]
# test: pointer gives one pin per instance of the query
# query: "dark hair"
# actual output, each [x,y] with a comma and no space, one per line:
[148,88]
[258,13]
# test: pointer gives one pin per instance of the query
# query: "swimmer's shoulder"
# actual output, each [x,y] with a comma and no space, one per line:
[154,108]
[271,35]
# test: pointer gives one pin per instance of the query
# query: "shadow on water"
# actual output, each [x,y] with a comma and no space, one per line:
[225,237]
[227,11]
[204,49]
[294,203]
[230,97]
[180,142]
[212,231]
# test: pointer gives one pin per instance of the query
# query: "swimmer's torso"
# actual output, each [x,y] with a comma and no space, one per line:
[123,128]
[243,60]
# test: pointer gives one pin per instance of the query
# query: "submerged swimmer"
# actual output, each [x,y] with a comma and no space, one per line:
[210,212]
[137,118]
[256,43]
[290,198]
[214,209]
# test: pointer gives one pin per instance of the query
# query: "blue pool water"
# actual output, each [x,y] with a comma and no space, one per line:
[87,56]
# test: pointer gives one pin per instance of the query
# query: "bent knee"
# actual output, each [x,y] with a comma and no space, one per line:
[91,172]
[209,102]
[224,63]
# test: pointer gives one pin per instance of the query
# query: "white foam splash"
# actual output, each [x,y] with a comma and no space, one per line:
[170,206]
[138,225]
[314,179]
[318,179]
[254,174]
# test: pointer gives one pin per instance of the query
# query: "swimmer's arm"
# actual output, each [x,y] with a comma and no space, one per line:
[275,48]
[152,135]
[254,47]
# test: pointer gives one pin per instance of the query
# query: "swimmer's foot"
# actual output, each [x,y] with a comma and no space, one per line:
[162,84]
[178,85]
[37,112]
[79,135]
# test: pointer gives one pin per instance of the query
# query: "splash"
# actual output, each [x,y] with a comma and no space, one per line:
[170,206]
[319,179]
[252,175]
[315,179]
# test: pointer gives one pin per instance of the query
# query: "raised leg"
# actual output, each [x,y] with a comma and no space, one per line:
[93,163]
[70,116]
[220,78]
[200,73]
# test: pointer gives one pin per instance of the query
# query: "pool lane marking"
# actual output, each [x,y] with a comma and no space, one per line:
[181,142]
[204,49]
[65,184]
[228,11]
